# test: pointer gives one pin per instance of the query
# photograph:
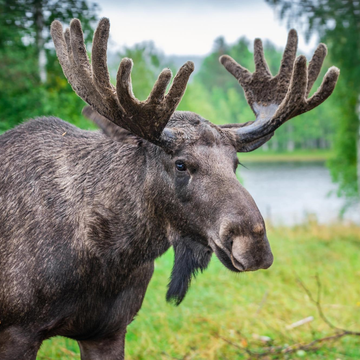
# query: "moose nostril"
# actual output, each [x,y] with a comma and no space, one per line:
[259,229]
[229,244]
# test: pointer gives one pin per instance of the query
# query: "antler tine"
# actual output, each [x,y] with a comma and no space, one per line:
[146,119]
[296,93]
[241,74]
[287,61]
[61,46]
[325,90]
[101,76]
[158,92]
[315,65]
[261,66]
[178,86]
[68,44]
[78,46]
[124,86]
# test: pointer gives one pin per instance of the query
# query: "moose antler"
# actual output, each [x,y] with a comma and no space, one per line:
[146,119]
[274,100]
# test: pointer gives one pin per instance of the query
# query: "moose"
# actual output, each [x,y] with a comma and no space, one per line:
[84,214]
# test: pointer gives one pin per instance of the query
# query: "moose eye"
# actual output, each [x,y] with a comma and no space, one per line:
[180,165]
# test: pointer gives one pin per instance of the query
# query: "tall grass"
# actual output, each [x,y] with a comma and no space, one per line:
[240,307]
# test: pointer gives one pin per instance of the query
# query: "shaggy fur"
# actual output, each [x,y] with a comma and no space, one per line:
[82,218]
[190,257]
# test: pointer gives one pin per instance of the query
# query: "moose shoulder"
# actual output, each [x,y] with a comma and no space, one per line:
[83,215]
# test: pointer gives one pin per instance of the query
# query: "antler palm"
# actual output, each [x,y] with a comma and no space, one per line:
[274,100]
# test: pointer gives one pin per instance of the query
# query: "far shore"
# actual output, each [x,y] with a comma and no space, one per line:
[293,156]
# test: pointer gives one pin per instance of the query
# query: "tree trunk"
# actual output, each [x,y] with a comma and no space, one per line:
[290,143]
[358,147]
[39,26]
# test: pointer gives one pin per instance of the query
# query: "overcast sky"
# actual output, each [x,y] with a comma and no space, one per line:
[185,27]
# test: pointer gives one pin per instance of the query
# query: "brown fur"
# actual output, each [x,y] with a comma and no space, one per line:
[82,218]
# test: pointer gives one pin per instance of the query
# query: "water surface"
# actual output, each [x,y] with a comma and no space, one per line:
[288,192]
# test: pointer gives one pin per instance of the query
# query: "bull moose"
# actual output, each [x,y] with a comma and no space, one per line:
[84,214]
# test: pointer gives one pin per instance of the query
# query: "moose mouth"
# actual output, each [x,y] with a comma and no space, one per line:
[228,262]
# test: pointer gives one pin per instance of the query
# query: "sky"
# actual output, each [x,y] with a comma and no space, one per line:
[185,27]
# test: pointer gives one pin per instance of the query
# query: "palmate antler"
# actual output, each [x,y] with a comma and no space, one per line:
[146,119]
[274,100]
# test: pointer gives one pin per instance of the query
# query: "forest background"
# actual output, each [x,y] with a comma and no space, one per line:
[223,316]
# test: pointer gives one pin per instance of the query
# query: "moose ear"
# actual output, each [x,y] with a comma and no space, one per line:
[190,257]
[108,128]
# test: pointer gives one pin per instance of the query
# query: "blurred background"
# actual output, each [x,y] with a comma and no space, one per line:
[305,180]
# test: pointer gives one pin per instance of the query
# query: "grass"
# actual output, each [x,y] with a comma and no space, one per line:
[237,306]
[296,155]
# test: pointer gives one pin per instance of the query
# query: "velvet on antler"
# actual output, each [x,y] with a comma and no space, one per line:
[146,119]
[277,99]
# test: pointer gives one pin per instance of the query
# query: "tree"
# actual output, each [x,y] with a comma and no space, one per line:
[337,22]
[31,80]
[28,21]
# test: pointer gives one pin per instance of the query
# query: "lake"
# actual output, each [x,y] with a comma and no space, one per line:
[288,192]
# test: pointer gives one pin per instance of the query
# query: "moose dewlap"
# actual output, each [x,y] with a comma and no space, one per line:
[83,215]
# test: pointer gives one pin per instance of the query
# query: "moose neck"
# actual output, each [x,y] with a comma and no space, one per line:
[120,193]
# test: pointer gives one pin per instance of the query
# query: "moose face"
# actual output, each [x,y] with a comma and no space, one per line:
[207,208]
[212,207]
[195,189]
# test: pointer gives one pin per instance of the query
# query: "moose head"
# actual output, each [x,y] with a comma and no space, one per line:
[191,163]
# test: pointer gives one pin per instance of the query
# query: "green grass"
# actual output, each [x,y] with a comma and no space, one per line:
[297,155]
[237,306]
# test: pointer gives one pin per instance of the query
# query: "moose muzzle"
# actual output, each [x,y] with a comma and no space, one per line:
[249,254]
[242,250]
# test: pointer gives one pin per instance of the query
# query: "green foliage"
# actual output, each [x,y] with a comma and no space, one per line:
[22,94]
[337,22]
[19,19]
[344,164]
